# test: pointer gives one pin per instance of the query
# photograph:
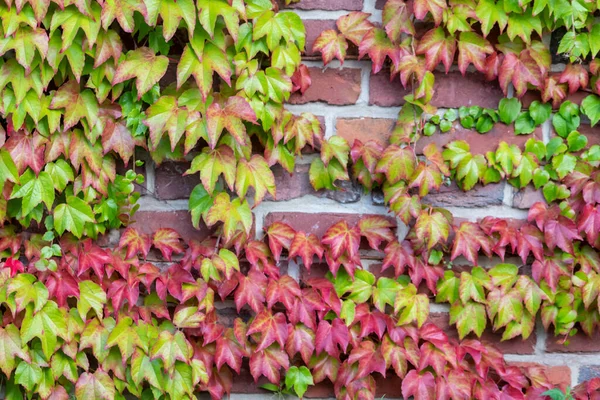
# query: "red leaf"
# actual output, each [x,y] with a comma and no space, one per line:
[435,7]
[10,240]
[62,285]
[376,229]
[370,321]
[469,240]
[26,151]
[280,237]
[377,45]
[530,240]
[167,240]
[354,26]
[304,307]
[330,336]
[399,256]
[341,238]
[284,290]
[437,47]
[421,386]
[268,363]
[91,256]
[14,265]
[251,290]
[229,351]
[520,70]
[550,269]
[171,282]
[271,328]
[589,222]
[301,80]
[553,91]
[331,45]
[305,247]
[576,76]
[369,359]
[300,340]
[135,242]
[121,290]
[561,232]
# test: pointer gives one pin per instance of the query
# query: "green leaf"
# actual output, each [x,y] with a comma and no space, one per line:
[576,141]
[143,65]
[8,169]
[34,191]
[98,385]
[125,337]
[540,112]
[524,124]
[72,216]
[28,375]
[170,348]
[11,347]
[46,324]
[200,202]
[470,317]
[509,109]
[299,379]
[91,296]
[591,108]
[61,173]
[362,286]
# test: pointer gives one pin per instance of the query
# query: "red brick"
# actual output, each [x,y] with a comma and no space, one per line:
[181,221]
[559,375]
[592,133]
[291,186]
[321,390]
[379,4]
[527,197]
[531,95]
[580,343]
[480,143]
[332,86]
[314,27]
[171,184]
[513,346]
[389,387]
[451,91]
[365,129]
[479,196]
[351,5]
[313,223]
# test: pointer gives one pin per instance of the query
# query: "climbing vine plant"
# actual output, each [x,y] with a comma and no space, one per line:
[91,90]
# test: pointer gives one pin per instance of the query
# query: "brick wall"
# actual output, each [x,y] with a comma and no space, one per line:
[353,103]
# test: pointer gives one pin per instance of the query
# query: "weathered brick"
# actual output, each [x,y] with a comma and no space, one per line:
[321,390]
[588,372]
[314,27]
[527,197]
[451,91]
[351,5]
[181,221]
[365,129]
[291,186]
[170,184]
[580,343]
[532,95]
[314,223]
[513,346]
[479,196]
[558,375]
[592,133]
[480,143]
[332,86]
